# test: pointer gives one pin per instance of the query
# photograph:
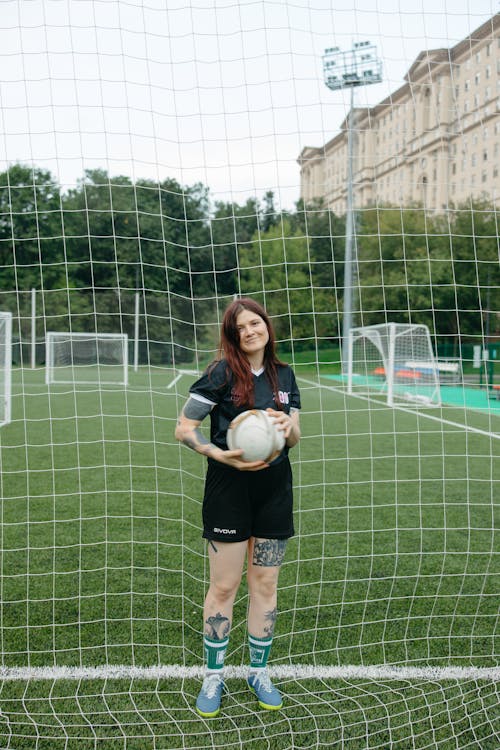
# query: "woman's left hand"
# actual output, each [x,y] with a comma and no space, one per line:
[282,420]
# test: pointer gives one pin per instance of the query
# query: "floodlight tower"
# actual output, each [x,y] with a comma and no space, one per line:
[360,66]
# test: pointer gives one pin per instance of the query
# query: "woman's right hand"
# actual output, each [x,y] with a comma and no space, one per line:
[233,459]
[187,431]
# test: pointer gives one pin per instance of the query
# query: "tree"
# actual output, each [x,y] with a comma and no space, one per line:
[31,241]
[276,268]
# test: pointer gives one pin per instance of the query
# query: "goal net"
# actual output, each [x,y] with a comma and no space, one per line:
[158,159]
[5,366]
[99,358]
[395,359]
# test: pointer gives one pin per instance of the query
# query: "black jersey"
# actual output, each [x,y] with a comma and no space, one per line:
[216,386]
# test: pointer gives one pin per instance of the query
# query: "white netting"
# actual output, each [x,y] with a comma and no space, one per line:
[155,160]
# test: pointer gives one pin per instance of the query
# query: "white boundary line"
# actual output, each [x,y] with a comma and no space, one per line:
[179,375]
[494,435]
[296,672]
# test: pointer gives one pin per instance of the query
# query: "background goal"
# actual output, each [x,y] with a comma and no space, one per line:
[394,359]
[157,159]
[77,358]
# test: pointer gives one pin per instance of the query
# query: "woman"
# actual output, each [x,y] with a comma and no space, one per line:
[247,507]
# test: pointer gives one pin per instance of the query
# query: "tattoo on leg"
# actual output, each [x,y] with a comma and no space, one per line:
[271,619]
[269,552]
[217,627]
[211,543]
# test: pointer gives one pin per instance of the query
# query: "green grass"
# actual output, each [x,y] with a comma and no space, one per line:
[395,561]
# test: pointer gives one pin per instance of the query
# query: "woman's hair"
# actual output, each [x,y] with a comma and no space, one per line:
[238,364]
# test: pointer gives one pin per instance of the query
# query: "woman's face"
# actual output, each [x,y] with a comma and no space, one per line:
[253,333]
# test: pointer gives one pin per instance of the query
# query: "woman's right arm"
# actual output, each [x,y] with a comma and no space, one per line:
[188,432]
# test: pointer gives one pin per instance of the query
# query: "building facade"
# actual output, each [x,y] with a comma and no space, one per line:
[435,141]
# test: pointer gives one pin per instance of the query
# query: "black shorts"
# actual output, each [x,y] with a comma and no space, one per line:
[240,504]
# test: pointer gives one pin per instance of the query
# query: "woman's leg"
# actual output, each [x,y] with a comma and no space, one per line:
[226,567]
[265,557]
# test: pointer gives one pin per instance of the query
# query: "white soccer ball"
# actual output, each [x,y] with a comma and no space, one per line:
[256,434]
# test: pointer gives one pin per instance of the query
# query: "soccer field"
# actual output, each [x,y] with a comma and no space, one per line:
[394,566]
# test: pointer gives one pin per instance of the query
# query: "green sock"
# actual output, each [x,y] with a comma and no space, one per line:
[260,648]
[215,652]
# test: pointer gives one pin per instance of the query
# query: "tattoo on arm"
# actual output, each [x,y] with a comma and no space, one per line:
[217,627]
[198,442]
[269,552]
[271,619]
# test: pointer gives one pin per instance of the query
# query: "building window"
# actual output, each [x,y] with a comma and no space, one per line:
[467,85]
[487,72]
[477,79]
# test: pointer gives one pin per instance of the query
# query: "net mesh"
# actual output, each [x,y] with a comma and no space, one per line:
[156,160]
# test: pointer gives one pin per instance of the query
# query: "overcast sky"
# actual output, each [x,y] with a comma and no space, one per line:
[224,92]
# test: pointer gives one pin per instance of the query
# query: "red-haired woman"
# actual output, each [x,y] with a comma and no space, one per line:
[247,507]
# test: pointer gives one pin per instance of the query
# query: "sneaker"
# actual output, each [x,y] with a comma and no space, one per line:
[208,701]
[268,696]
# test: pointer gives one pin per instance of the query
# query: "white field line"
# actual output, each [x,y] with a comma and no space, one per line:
[424,415]
[295,672]
[179,375]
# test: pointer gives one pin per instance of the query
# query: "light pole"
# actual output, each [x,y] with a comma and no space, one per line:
[360,66]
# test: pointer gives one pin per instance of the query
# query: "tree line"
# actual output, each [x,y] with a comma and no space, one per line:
[90,250]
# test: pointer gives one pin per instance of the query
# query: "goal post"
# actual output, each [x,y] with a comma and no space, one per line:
[86,358]
[5,367]
[394,359]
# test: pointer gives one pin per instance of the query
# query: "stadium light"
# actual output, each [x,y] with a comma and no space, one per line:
[359,66]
